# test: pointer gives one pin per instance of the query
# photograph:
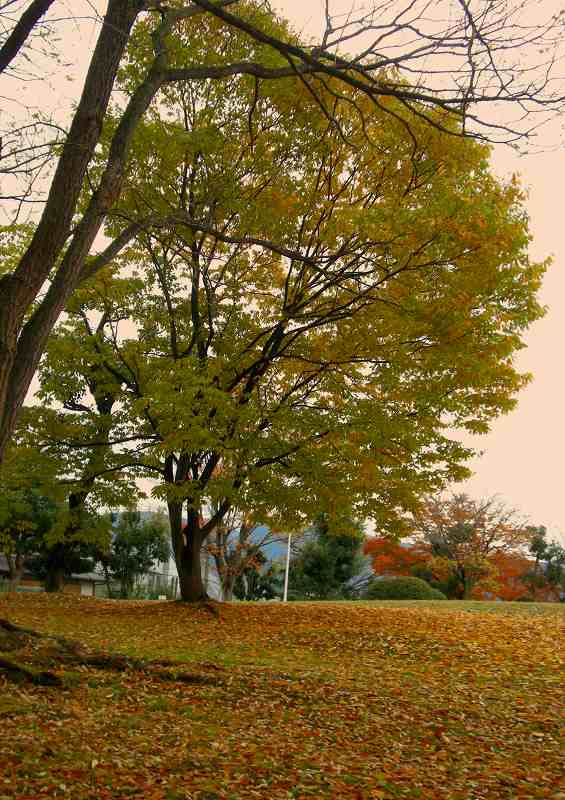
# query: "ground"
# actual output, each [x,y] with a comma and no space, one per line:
[369,701]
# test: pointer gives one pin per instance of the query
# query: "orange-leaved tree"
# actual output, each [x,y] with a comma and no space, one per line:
[389,557]
[512,572]
[467,536]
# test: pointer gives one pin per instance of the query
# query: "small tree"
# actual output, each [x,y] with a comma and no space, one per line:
[465,534]
[236,547]
[260,580]
[26,516]
[136,546]
[547,576]
[327,561]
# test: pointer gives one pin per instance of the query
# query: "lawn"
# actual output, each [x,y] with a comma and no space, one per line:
[382,700]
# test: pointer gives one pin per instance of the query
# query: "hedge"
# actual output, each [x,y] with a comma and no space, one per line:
[402,589]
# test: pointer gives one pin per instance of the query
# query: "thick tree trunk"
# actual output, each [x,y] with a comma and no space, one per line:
[187,547]
[190,572]
[19,355]
[55,577]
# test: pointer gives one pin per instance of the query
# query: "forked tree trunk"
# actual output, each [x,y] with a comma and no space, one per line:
[227,588]
[187,548]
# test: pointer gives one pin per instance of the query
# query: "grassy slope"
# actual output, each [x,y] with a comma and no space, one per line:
[380,700]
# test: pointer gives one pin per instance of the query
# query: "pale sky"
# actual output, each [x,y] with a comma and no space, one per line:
[521,459]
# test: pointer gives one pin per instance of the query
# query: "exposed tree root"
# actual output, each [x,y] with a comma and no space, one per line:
[19,673]
[41,650]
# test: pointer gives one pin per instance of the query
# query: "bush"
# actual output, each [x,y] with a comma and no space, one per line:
[402,589]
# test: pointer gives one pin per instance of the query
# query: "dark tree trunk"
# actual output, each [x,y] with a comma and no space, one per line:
[55,577]
[20,350]
[22,31]
[192,588]
[187,547]
[463,587]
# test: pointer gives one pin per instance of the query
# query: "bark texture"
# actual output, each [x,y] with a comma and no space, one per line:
[21,345]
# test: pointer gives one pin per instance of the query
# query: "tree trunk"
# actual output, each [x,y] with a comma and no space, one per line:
[227,588]
[109,588]
[19,355]
[22,31]
[466,585]
[187,548]
[55,577]
[15,571]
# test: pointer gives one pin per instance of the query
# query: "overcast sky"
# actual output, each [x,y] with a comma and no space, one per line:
[522,455]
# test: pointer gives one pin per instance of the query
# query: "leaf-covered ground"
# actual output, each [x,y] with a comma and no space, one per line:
[298,701]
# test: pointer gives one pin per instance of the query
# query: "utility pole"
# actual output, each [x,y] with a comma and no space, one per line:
[287,566]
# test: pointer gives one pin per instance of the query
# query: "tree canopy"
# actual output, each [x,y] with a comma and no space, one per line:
[326,560]
[137,545]
[496,58]
[280,333]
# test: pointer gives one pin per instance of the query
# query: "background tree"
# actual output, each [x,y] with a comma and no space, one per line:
[26,517]
[33,489]
[389,557]
[60,250]
[465,534]
[260,580]
[137,545]
[511,579]
[507,572]
[77,425]
[327,560]
[236,545]
[547,574]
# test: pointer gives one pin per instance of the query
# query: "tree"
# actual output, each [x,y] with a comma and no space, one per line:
[136,546]
[465,535]
[547,574]
[75,427]
[236,547]
[388,557]
[60,249]
[55,532]
[26,518]
[260,580]
[295,341]
[327,561]
[511,579]
[324,391]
